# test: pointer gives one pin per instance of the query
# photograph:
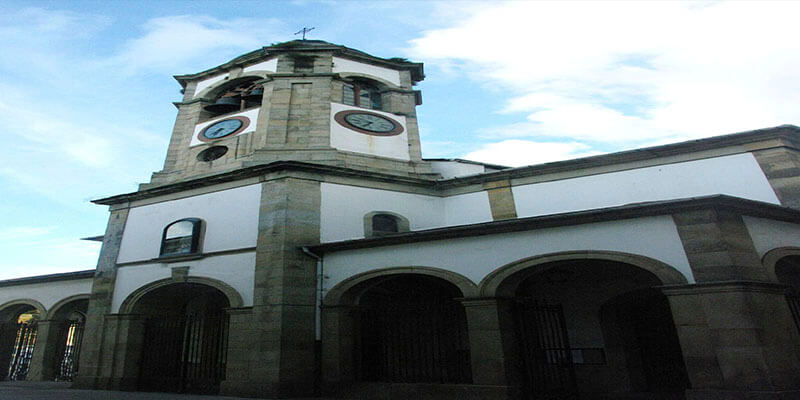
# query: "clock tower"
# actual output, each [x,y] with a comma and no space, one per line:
[304,100]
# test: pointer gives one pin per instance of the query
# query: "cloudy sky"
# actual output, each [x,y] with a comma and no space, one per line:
[86,87]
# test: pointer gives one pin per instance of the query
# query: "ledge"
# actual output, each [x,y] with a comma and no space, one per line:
[628,211]
[66,276]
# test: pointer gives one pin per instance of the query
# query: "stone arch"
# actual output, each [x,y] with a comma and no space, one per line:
[30,302]
[503,281]
[211,92]
[382,84]
[348,291]
[61,303]
[771,258]
[234,298]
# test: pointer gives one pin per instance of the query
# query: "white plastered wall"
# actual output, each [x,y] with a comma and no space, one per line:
[270,65]
[346,139]
[208,82]
[769,234]
[735,175]
[47,293]
[230,216]
[236,270]
[343,208]
[452,169]
[343,65]
[252,115]
[477,256]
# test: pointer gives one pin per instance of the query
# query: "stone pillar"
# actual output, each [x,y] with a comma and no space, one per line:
[493,345]
[338,346]
[738,340]
[283,358]
[735,328]
[122,350]
[43,361]
[92,356]
[242,339]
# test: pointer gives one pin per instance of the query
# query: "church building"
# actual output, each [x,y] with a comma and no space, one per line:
[296,244]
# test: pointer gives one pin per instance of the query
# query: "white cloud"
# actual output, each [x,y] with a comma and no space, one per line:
[169,43]
[515,152]
[23,232]
[627,72]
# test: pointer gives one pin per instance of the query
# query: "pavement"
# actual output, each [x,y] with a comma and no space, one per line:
[20,390]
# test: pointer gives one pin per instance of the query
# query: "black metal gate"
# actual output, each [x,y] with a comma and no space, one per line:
[794,305]
[547,357]
[22,351]
[402,342]
[184,354]
[69,346]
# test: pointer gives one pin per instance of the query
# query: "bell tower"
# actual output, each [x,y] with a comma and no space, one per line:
[304,100]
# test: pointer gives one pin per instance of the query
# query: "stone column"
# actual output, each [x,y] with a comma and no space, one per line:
[122,350]
[242,338]
[338,345]
[735,328]
[283,358]
[738,340]
[43,361]
[92,356]
[493,345]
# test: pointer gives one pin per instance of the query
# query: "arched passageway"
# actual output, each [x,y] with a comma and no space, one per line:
[18,331]
[184,338]
[412,330]
[595,329]
[68,320]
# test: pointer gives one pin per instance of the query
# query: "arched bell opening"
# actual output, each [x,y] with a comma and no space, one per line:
[69,321]
[787,271]
[411,329]
[17,340]
[185,338]
[237,95]
[598,329]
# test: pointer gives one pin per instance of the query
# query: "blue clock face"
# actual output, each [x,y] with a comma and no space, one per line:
[222,128]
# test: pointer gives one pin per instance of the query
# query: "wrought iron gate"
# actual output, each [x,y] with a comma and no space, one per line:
[22,351]
[794,305]
[546,354]
[70,336]
[415,343]
[184,354]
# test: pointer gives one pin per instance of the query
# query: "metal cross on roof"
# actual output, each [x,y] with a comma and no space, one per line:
[304,31]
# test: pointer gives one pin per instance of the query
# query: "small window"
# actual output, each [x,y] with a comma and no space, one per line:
[181,237]
[381,223]
[362,94]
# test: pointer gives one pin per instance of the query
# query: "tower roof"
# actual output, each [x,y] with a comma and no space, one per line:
[416,69]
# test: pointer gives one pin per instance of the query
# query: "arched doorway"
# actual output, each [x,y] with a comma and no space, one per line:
[17,340]
[69,319]
[185,338]
[411,329]
[596,328]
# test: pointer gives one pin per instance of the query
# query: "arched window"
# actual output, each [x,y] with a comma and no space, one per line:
[380,223]
[237,97]
[362,94]
[181,237]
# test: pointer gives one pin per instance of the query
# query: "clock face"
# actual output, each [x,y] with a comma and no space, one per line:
[221,129]
[369,123]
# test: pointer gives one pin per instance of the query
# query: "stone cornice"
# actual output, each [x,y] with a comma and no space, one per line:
[416,69]
[67,276]
[258,170]
[628,211]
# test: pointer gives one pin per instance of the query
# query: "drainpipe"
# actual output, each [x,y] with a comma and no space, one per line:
[318,308]
[317,322]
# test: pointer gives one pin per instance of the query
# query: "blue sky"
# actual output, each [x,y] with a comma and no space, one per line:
[87,87]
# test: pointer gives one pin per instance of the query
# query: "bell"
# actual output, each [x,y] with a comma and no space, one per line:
[224,105]
[254,94]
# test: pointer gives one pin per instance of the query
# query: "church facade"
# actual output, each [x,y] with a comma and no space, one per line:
[297,244]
